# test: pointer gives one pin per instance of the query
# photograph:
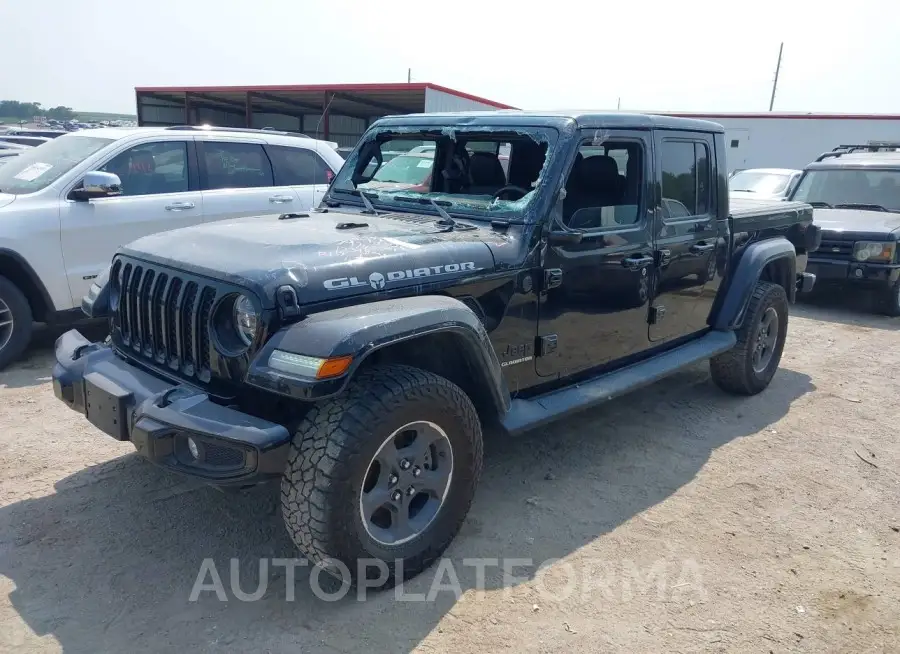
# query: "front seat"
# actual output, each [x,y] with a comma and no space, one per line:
[486,172]
[596,184]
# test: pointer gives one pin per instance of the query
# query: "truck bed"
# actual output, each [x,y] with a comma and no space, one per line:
[767,217]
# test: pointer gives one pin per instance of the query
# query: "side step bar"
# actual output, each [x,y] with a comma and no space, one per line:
[534,412]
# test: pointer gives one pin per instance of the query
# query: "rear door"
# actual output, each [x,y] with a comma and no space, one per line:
[237,180]
[686,235]
[303,170]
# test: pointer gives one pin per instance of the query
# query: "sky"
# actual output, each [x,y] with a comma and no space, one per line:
[649,55]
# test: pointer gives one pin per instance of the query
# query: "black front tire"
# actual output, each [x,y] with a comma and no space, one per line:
[890,301]
[734,371]
[14,307]
[331,453]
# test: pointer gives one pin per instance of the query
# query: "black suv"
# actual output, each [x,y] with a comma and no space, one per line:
[356,352]
[855,190]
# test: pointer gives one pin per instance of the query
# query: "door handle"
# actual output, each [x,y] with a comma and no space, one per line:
[702,248]
[280,199]
[179,206]
[636,263]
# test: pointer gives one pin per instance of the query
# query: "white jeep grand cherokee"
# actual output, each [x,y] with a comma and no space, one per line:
[67,205]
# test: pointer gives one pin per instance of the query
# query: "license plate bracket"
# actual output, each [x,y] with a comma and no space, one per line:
[106,405]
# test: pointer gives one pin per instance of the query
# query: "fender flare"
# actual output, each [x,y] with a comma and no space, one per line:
[33,278]
[746,274]
[362,329]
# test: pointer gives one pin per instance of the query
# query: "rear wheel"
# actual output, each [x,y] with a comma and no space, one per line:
[386,473]
[748,368]
[16,322]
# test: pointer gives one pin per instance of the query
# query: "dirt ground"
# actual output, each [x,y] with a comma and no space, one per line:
[680,520]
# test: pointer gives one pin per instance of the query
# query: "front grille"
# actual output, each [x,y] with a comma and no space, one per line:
[833,249]
[164,317]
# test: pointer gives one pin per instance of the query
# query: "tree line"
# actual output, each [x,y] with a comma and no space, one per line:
[27,110]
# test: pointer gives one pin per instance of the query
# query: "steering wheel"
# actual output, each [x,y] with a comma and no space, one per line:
[508,188]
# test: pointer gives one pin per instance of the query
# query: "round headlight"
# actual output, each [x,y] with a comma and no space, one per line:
[245,319]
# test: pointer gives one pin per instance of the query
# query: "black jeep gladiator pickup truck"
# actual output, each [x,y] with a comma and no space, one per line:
[355,352]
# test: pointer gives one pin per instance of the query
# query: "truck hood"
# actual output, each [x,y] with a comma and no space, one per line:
[325,256]
[856,221]
[5,199]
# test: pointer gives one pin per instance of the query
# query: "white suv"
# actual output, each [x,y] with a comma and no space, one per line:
[67,205]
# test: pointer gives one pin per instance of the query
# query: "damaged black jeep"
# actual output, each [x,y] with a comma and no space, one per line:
[505,270]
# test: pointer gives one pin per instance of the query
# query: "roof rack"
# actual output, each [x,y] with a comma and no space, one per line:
[873,146]
[252,130]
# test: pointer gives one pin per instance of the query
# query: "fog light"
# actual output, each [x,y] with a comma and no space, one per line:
[858,272]
[193,448]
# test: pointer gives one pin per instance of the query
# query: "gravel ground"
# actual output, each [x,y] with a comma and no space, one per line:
[678,519]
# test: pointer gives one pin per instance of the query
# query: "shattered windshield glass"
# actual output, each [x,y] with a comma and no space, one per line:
[469,171]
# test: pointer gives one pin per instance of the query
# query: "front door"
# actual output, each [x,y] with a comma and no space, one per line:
[687,243]
[159,193]
[595,303]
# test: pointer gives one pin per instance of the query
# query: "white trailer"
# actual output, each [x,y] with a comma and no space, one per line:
[790,140]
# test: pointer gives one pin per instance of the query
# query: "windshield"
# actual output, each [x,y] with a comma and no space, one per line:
[756,182]
[878,190]
[470,171]
[38,167]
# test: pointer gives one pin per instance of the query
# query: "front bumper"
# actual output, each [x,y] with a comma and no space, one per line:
[158,417]
[853,272]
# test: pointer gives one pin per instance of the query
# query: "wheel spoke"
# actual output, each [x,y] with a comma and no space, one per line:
[375,499]
[401,526]
[421,445]
[434,481]
[4,323]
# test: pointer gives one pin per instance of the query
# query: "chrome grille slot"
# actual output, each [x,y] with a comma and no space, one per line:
[835,249]
[165,318]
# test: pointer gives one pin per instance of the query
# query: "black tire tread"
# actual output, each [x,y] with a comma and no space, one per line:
[888,305]
[327,445]
[23,324]
[731,371]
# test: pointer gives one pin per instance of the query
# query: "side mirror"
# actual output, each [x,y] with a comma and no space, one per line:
[98,184]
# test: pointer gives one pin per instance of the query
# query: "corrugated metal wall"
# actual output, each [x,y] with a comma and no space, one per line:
[441,101]
[795,142]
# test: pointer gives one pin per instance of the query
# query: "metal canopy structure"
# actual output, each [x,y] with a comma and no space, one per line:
[336,112]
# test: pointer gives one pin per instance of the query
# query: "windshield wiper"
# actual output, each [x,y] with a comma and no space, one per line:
[822,205]
[365,200]
[744,190]
[859,205]
[446,218]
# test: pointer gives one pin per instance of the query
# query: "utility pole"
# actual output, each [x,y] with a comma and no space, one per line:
[409,75]
[777,70]
[619,104]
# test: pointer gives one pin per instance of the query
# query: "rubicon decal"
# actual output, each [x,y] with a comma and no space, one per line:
[379,280]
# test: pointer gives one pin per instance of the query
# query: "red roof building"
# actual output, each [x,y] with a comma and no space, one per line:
[334,112]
